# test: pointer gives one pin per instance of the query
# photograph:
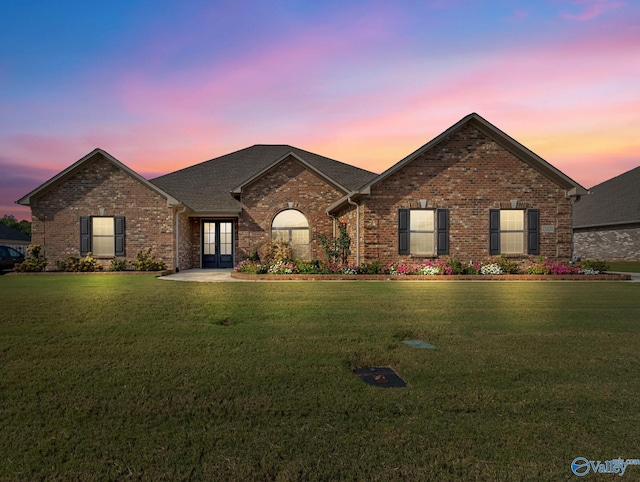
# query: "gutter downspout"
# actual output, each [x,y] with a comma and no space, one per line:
[357,229]
[184,208]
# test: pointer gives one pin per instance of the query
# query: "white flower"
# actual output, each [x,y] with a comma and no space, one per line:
[492,268]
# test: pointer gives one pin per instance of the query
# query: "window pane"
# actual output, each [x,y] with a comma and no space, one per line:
[103,246]
[512,243]
[421,243]
[280,235]
[290,219]
[300,236]
[102,226]
[512,220]
[421,220]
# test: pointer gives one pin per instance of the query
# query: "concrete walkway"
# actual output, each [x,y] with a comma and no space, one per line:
[202,276]
[224,275]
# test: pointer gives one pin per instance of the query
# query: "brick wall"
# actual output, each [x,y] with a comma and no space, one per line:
[99,185]
[288,182]
[619,243]
[469,174]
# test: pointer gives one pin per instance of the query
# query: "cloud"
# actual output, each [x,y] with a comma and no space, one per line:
[590,9]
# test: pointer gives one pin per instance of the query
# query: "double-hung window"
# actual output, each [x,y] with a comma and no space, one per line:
[423,232]
[102,236]
[508,234]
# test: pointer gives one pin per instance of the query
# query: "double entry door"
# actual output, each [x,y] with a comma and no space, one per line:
[217,244]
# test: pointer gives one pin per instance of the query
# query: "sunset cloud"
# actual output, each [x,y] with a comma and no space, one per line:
[366,83]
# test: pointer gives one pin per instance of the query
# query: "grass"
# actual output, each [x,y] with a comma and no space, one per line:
[625,266]
[129,377]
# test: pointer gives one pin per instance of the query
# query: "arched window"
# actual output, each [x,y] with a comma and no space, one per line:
[292,226]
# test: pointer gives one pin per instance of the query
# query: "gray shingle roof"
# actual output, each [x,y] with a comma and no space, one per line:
[7,233]
[613,202]
[206,187]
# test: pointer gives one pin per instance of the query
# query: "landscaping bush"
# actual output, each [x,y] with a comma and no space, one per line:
[75,265]
[119,264]
[337,249]
[595,266]
[251,267]
[278,251]
[145,261]
[508,266]
[370,268]
[33,262]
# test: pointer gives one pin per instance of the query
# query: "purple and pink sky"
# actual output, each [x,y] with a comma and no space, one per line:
[162,85]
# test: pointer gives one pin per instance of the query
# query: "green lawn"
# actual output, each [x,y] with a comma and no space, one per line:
[628,266]
[129,377]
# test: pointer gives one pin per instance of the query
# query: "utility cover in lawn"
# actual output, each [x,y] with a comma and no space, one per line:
[383,377]
[419,344]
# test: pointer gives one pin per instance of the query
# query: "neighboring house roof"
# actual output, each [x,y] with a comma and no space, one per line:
[208,187]
[26,200]
[11,234]
[572,187]
[613,202]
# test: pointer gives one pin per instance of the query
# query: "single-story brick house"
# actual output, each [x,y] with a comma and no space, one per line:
[606,224]
[472,193]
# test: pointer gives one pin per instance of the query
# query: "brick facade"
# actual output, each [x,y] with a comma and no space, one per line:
[468,174]
[290,181]
[99,188]
[610,243]
[469,170]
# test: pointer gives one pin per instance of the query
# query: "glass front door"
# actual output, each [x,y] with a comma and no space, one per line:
[217,244]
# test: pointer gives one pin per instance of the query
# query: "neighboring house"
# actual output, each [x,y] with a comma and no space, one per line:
[14,238]
[472,193]
[606,224]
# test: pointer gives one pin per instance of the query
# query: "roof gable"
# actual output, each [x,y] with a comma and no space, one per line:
[612,202]
[68,172]
[289,155]
[521,152]
[208,187]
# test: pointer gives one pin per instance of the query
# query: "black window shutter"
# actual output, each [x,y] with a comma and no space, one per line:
[118,231]
[85,235]
[494,231]
[443,231]
[403,231]
[533,228]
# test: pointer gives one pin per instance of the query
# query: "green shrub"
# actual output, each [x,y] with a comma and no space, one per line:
[312,267]
[370,268]
[251,267]
[33,262]
[145,261]
[73,264]
[510,266]
[456,266]
[119,264]
[337,249]
[596,265]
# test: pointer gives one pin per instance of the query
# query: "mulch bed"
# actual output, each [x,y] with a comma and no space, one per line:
[454,277]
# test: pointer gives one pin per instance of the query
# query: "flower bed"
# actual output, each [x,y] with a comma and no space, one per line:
[502,269]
